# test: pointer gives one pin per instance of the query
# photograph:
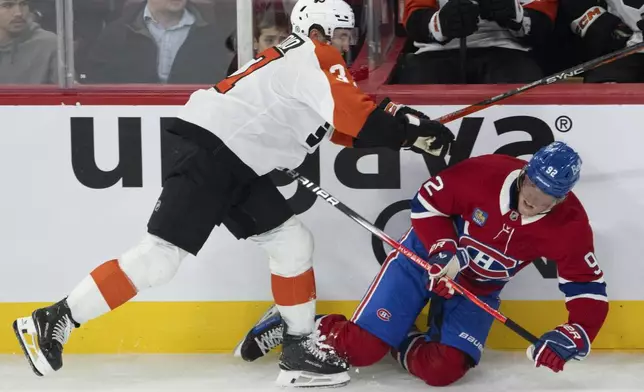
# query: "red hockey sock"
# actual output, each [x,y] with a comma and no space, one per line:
[358,346]
[435,363]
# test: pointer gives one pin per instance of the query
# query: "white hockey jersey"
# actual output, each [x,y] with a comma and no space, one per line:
[270,112]
[489,33]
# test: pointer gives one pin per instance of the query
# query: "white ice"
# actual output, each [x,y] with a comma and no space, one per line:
[499,371]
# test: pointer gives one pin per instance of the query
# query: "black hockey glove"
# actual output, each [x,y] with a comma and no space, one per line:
[398,126]
[507,13]
[427,137]
[423,135]
[398,110]
[456,19]
[604,35]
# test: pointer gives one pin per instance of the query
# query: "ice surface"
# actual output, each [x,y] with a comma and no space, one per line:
[499,371]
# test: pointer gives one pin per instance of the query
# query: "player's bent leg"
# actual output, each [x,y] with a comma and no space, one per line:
[193,201]
[151,263]
[358,346]
[435,363]
[304,359]
[454,342]
[395,298]
[42,335]
[290,251]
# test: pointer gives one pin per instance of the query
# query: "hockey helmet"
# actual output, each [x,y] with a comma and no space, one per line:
[554,169]
[327,14]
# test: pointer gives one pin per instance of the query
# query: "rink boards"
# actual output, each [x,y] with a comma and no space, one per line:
[80,182]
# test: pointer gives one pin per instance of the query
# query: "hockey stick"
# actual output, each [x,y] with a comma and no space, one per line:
[573,71]
[326,196]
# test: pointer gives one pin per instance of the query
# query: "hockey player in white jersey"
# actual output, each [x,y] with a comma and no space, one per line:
[226,141]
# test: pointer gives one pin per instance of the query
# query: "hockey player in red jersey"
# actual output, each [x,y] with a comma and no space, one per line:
[480,222]
[227,139]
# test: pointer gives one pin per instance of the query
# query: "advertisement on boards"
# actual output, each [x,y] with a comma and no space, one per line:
[81,181]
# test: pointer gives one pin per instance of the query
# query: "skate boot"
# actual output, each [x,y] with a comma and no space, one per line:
[42,336]
[307,362]
[265,335]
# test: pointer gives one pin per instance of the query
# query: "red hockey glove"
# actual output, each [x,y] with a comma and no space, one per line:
[445,264]
[555,348]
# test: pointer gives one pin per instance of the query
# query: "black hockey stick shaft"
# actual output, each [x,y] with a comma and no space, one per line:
[570,72]
[326,196]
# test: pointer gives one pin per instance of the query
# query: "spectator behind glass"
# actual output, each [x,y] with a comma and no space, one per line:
[500,35]
[28,54]
[270,28]
[159,41]
[605,27]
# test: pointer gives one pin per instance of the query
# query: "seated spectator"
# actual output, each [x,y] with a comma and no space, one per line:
[270,28]
[158,41]
[28,54]
[607,27]
[499,36]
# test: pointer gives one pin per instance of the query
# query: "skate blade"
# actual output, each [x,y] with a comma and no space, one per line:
[237,350]
[25,331]
[301,379]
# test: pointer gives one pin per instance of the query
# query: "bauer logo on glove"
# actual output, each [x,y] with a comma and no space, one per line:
[556,347]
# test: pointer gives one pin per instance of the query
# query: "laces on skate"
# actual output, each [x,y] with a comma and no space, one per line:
[270,339]
[62,330]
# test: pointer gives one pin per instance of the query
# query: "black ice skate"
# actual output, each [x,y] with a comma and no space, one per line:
[307,362]
[43,335]
[265,335]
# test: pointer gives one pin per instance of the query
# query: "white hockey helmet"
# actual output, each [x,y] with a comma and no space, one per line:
[328,14]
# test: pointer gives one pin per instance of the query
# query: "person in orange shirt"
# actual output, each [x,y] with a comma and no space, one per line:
[227,139]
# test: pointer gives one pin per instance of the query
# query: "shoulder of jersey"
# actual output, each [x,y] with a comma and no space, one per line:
[494,163]
[571,212]
[505,161]
[327,55]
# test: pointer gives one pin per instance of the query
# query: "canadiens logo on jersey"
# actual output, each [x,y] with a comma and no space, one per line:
[479,217]
[486,262]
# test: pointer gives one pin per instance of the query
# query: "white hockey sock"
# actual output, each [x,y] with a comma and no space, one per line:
[299,318]
[104,289]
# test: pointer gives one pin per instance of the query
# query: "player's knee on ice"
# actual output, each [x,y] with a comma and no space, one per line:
[289,247]
[152,262]
[437,364]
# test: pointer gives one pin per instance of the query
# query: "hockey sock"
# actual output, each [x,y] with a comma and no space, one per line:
[435,363]
[104,289]
[295,299]
[350,341]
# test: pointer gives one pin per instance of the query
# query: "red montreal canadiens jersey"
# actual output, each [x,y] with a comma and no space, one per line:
[475,197]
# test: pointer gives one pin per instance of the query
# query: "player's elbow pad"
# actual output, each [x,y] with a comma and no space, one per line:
[417,26]
[381,130]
